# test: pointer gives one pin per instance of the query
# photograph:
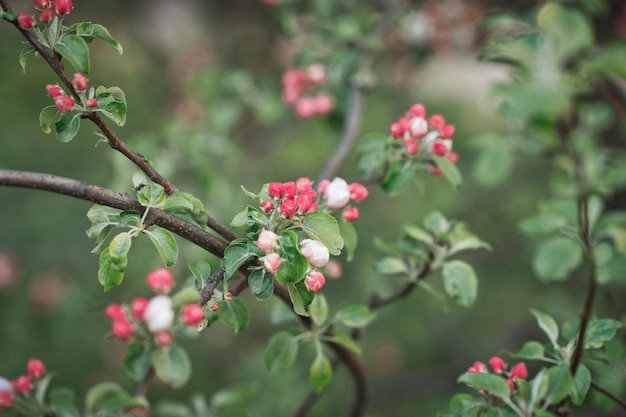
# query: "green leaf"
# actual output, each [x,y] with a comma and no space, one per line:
[569,29]
[462,405]
[599,332]
[234,314]
[62,401]
[580,385]
[543,224]
[281,352]
[66,128]
[555,258]
[24,55]
[235,255]
[399,176]
[152,195]
[94,30]
[293,265]
[346,341]
[350,238]
[261,284]
[119,248]
[495,384]
[460,282]
[172,365]
[112,103]
[530,350]
[469,242]
[436,223]
[559,383]
[418,234]
[200,270]
[165,243]
[75,50]
[109,274]
[177,202]
[321,373]
[319,309]
[301,297]
[449,170]
[390,265]
[323,227]
[357,315]
[105,398]
[548,325]
[48,116]
[137,361]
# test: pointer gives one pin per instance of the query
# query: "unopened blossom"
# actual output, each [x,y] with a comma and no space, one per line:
[314,281]
[452,157]
[417,110]
[333,269]
[160,280]
[511,384]
[267,241]
[351,214]
[358,192]
[267,206]
[437,121]
[122,329]
[214,307]
[411,147]
[62,7]
[276,189]
[316,73]
[80,82]
[323,103]
[115,312]
[288,209]
[25,21]
[46,16]
[418,127]
[22,384]
[440,149]
[447,131]
[6,399]
[305,201]
[337,194]
[42,4]
[36,368]
[271,262]
[478,368]
[192,314]
[315,251]
[138,307]
[159,314]
[92,103]
[519,371]
[64,104]
[497,364]
[163,338]
[306,107]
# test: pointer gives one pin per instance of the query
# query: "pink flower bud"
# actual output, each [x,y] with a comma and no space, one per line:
[271,262]
[160,280]
[42,4]
[6,399]
[159,314]
[447,131]
[192,314]
[305,201]
[418,128]
[80,82]
[228,296]
[337,194]
[267,241]
[511,384]
[411,147]
[288,209]
[122,329]
[62,7]
[497,364]
[46,16]
[315,251]
[267,206]
[36,368]
[305,107]
[316,73]
[478,368]
[435,170]
[351,214]
[64,104]
[323,103]
[396,130]
[303,184]
[417,110]
[322,186]
[276,190]
[214,307]
[163,338]
[358,192]
[333,269]
[519,371]
[115,312]
[452,157]
[290,189]
[92,103]
[440,149]
[138,307]
[22,384]
[314,281]
[25,21]
[437,121]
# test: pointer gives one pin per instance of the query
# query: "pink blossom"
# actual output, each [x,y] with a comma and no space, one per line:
[306,107]
[337,194]
[452,157]
[303,184]
[436,121]
[419,127]
[192,314]
[6,399]
[288,209]
[323,103]
[358,192]
[315,251]
[42,4]
[138,307]
[267,206]
[276,190]
[54,90]
[22,384]
[447,131]
[411,147]
[333,269]
[25,21]
[519,371]
[439,149]
[290,189]
[267,241]
[122,329]
[417,110]
[316,73]
[115,312]
[305,201]
[478,368]
[62,7]
[497,364]
[64,104]
[46,16]
[80,82]
[396,130]
[92,103]
[36,368]
[163,338]
[271,262]
[351,214]
[314,281]
[160,280]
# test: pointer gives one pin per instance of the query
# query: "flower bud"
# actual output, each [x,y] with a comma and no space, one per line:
[417,110]
[36,368]
[337,194]
[314,281]
[192,314]
[435,170]
[303,184]
[316,73]
[511,384]
[419,127]
[54,90]
[497,364]
[290,189]
[228,296]
[315,251]
[436,121]
[160,280]
[46,16]
[267,241]
[452,157]
[358,192]
[267,206]
[42,4]
[305,107]
[214,307]
[411,147]
[323,103]
[92,103]
[64,104]
[5,386]
[271,262]
[396,130]
[288,209]
[122,329]
[6,399]
[447,131]
[276,190]
[115,312]
[322,186]
[159,314]
[138,307]
[62,7]
[26,21]
[163,338]
[440,149]
[351,214]
[22,384]
[80,82]
[305,201]
[519,371]
[478,368]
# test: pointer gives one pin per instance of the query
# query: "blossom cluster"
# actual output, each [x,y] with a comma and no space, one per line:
[156,314]
[65,103]
[22,386]
[48,9]
[424,136]
[518,371]
[301,91]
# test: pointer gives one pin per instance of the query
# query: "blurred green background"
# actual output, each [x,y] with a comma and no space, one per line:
[203,87]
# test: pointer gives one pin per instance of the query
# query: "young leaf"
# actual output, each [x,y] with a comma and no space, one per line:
[346,341]
[151,195]
[137,361]
[294,265]
[24,55]
[449,170]
[390,265]
[418,234]
[300,297]
[234,314]
[436,223]
[356,315]
[580,385]
[119,248]
[460,282]
[171,364]
[75,50]
[323,227]
[496,385]
[200,270]
[112,103]
[319,309]
[165,243]
[599,332]
[109,274]
[548,325]
[66,128]
[177,202]
[321,373]
[48,116]
[235,255]
[399,177]
[556,257]
[261,284]
[94,30]
[105,398]
[281,352]
[530,350]
[559,383]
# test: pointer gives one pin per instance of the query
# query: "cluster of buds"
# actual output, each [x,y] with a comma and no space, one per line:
[156,314]
[66,103]
[22,386]
[518,371]
[422,136]
[337,195]
[299,85]
[48,9]
[291,198]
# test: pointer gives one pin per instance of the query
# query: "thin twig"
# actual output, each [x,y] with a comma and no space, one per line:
[608,394]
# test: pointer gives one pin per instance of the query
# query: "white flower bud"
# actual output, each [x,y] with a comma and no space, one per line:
[159,314]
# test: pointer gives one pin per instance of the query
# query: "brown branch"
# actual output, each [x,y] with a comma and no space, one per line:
[608,394]
[209,286]
[142,388]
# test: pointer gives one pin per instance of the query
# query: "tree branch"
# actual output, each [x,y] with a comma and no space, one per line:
[608,394]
